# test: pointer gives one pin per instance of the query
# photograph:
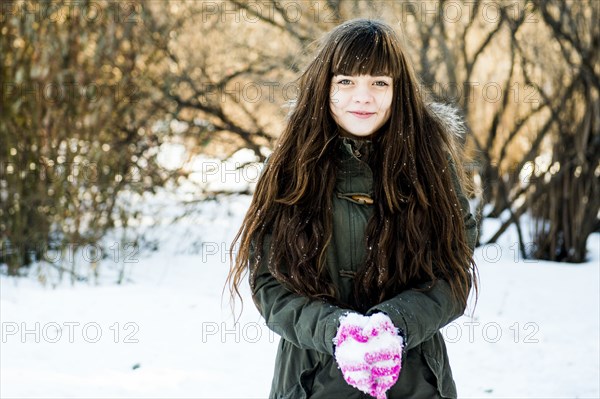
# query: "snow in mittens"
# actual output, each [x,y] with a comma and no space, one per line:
[369,352]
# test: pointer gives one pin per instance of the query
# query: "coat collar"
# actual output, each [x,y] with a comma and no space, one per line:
[354,174]
[358,148]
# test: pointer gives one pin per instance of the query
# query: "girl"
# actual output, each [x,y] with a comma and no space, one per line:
[359,239]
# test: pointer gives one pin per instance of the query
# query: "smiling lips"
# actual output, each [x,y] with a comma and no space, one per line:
[362,114]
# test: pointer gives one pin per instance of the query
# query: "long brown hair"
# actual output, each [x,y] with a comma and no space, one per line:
[416,233]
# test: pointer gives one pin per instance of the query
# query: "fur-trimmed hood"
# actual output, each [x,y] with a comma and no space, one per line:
[450,117]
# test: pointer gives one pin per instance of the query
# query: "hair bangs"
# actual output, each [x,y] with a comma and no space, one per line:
[366,51]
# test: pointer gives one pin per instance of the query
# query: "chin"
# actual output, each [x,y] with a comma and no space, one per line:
[364,132]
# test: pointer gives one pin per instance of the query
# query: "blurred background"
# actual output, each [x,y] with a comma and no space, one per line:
[131,137]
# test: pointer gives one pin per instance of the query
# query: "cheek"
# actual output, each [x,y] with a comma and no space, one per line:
[335,101]
[332,108]
[388,98]
[386,102]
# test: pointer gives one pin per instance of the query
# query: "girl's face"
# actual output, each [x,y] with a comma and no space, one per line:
[360,104]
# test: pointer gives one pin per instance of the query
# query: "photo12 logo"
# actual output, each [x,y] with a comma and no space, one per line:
[69,331]
[54,93]
[491,332]
[72,10]
[455,11]
[251,332]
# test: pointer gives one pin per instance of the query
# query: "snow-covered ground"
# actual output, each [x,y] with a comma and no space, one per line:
[167,331]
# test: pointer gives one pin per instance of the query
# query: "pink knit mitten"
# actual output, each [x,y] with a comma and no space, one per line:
[369,352]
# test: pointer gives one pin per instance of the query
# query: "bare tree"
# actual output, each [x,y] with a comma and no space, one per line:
[75,125]
[566,211]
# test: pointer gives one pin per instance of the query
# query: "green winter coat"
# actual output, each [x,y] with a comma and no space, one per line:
[305,367]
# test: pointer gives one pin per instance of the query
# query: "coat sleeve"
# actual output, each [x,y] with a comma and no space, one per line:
[306,323]
[420,314]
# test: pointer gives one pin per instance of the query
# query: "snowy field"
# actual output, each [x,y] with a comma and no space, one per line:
[167,332]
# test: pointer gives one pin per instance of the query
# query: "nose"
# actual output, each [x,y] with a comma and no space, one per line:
[362,94]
